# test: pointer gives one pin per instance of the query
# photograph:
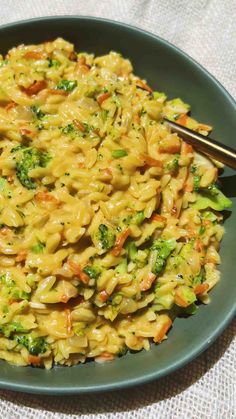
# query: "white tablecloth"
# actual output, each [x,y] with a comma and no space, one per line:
[206,30]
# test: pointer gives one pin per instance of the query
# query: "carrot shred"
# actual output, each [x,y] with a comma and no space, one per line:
[34,359]
[186,148]
[101,98]
[35,55]
[198,245]
[201,288]
[180,301]
[158,217]
[182,120]
[103,296]
[147,282]
[105,356]
[78,271]
[26,132]
[35,88]
[4,231]
[120,242]
[10,106]
[45,196]
[21,256]
[144,86]
[57,92]
[149,161]
[171,148]
[160,336]
[79,125]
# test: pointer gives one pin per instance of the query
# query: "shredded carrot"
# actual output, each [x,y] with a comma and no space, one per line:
[35,55]
[35,88]
[68,321]
[158,217]
[182,120]
[103,296]
[147,282]
[188,186]
[21,256]
[78,271]
[206,222]
[5,231]
[149,161]
[105,356]
[34,359]
[57,92]
[186,148]
[161,334]
[101,98]
[10,106]
[79,125]
[198,245]
[170,148]
[120,242]
[144,86]
[201,288]
[45,196]
[180,301]
[26,132]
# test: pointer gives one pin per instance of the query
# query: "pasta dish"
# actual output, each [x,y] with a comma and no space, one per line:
[109,223]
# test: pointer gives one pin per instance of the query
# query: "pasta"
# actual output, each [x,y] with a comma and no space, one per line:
[109,223]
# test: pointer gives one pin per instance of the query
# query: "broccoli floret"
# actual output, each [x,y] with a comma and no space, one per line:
[29,159]
[10,289]
[67,85]
[131,250]
[34,345]
[53,63]
[10,328]
[117,154]
[106,237]
[173,165]
[213,198]
[38,248]
[37,112]
[92,271]
[160,251]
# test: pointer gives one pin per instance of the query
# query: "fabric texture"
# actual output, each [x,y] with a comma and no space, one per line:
[206,388]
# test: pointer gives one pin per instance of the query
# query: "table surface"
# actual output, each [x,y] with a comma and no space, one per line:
[206,30]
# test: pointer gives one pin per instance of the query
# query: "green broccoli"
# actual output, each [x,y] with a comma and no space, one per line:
[10,328]
[67,85]
[160,251]
[37,112]
[106,237]
[34,345]
[92,271]
[10,289]
[212,197]
[38,248]
[30,158]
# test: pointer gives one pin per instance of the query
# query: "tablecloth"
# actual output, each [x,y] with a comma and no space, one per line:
[206,30]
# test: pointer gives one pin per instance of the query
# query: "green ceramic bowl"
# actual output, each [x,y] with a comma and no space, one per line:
[170,70]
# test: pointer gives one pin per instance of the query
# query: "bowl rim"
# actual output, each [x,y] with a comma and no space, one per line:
[124,383]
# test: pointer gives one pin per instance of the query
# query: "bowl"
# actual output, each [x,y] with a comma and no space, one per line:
[167,69]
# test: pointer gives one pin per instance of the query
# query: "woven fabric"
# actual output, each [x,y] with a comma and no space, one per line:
[206,30]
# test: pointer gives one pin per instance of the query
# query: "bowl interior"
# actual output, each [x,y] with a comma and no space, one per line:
[166,69]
